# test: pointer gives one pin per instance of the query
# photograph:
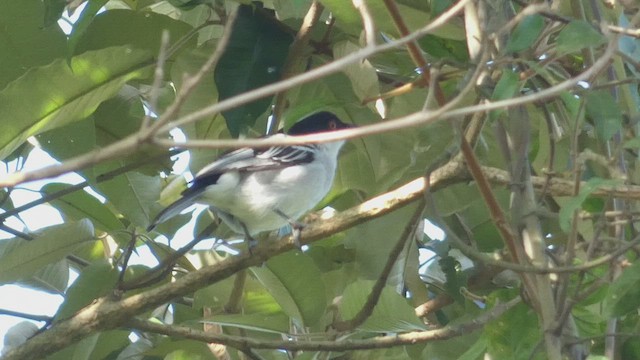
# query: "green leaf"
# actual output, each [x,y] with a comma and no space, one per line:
[61,93]
[363,76]
[578,35]
[132,193]
[296,283]
[254,57]
[88,13]
[632,143]
[109,342]
[415,16]
[137,29]
[391,314]
[178,349]
[476,351]
[506,88]
[70,140]
[507,338]
[525,34]
[20,258]
[53,10]
[120,117]
[624,294]
[84,347]
[79,205]
[575,203]
[204,94]
[25,43]
[96,280]
[441,48]
[188,4]
[52,278]
[270,323]
[605,112]
[373,242]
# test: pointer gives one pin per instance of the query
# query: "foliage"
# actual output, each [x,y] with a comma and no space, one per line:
[546,95]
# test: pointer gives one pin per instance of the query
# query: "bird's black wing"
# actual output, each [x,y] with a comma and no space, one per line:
[252,160]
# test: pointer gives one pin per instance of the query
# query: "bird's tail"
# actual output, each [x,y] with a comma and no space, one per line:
[174,209]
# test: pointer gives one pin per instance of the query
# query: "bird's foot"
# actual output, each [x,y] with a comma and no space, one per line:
[296,227]
[252,243]
[296,231]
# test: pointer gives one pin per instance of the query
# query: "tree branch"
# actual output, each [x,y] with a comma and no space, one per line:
[380,342]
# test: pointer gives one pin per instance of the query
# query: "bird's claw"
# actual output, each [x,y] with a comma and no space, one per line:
[296,232]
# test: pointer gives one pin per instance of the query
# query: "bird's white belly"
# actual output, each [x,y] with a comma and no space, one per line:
[292,191]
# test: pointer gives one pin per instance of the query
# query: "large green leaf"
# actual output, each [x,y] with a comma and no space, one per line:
[363,76]
[133,194]
[373,242]
[204,94]
[53,10]
[20,258]
[269,323]
[24,41]
[414,15]
[391,314]
[141,30]
[79,205]
[525,33]
[94,281]
[85,18]
[254,57]
[507,338]
[52,278]
[295,282]
[169,348]
[70,140]
[119,117]
[578,35]
[57,94]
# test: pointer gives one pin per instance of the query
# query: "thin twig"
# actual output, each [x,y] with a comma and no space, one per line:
[235,298]
[158,76]
[367,22]
[166,265]
[19,314]
[73,188]
[414,50]
[380,342]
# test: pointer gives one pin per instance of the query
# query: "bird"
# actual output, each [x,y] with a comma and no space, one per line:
[255,190]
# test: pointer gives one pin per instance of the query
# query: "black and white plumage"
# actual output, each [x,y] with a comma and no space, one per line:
[256,190]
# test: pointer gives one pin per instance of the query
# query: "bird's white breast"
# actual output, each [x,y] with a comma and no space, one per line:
[252,198]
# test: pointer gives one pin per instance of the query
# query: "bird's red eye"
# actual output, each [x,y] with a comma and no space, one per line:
[333,125]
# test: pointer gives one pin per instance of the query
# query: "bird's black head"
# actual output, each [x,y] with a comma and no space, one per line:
[323,121]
